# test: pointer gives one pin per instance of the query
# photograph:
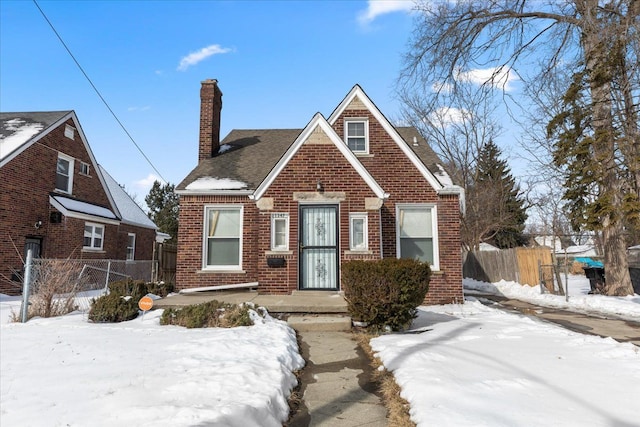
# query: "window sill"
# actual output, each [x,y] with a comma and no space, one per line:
[358,252]
[94,251]
[278,253]
[364,155]
[221,271]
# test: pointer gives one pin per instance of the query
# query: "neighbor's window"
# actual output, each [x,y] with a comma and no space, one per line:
[280,232]
[93,236]
[131,246]
[64,173]
[417,233]
[357,135]
[223,237]
[84,168]
[69,131]
[358,231]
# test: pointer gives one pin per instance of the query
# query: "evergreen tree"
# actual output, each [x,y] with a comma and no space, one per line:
[163,205]
[501,198]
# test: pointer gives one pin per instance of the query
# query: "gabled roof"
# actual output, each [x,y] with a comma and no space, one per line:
[319,121]
[128,209]
[19,130]
[357,92]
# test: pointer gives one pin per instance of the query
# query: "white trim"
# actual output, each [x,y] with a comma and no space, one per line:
[319,121]
[357,91]
[365,121]
[434,229]
[279,217]
[71,161]
[221,268]
[365,230]
[93,226]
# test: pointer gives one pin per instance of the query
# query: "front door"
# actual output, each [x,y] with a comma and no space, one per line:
[319,247]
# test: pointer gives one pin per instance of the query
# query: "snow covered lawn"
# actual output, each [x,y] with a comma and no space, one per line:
[472,365]
[65,371]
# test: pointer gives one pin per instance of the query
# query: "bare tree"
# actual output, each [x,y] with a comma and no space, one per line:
[531,39]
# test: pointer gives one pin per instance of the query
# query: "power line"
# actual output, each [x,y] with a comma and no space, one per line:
[98,92]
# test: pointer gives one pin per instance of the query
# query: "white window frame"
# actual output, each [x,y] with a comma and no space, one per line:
[205,237]
[131,249]
[85,168]
[93,236]
[365,230]
[434,229]
[69,131]
[365,121]
[71,162]
[277,217]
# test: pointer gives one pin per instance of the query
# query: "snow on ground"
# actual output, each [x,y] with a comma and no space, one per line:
[66,371]
[471,365]
[579,298]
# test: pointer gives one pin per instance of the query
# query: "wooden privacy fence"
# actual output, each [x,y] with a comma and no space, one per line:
[517,265]
[167,256]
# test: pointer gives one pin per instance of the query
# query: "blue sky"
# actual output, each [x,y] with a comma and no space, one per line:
[277,63]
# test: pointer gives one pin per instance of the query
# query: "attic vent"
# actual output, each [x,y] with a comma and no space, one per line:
[415,141]
[69,132]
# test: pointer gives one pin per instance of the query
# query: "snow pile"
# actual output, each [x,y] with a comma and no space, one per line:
[477,366]
[579,299]
[224,147]
[22,132]
[66,371]
[210,183]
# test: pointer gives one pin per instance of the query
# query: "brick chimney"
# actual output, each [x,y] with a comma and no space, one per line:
[210,107]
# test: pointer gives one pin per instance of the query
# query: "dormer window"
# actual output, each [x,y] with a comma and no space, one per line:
[357,135]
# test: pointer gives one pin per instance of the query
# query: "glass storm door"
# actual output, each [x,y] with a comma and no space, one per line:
[318,247]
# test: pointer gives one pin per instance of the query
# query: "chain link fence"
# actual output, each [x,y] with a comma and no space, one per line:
[77,282]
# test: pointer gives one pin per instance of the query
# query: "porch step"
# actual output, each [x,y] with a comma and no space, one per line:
[319,323]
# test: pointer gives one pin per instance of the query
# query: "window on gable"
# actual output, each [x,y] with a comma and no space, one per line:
[417,233]
[358,231]
[84,168]
[131,246]
[279,232]
[64,173]
[223,237]
[357,135]
[69,132]
[93,236]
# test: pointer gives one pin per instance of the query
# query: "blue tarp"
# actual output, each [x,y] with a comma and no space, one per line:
[590,263]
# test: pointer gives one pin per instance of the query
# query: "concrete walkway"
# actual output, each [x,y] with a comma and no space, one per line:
[594,324]
[336,386]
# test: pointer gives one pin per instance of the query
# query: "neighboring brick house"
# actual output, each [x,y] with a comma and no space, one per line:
[57,200]
[286,207]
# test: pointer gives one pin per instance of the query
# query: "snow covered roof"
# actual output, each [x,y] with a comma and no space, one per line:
[130,212]
[77,209]
[17,129]
[211,183]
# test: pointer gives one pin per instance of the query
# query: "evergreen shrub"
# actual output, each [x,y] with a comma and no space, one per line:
[113,308]
[385,293]
[212,314]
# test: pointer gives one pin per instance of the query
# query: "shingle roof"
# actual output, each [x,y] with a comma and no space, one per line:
[18,128]
[254,153]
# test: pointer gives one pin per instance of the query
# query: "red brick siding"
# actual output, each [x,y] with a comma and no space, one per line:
[27,181]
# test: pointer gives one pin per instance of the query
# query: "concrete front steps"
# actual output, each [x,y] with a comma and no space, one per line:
[310,322]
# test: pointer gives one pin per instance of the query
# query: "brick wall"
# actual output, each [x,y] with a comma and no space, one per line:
[27,180]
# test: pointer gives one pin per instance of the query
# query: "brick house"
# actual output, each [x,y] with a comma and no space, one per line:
[57,200]
[286,207]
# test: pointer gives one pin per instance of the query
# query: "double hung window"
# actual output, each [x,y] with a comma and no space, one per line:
[223,237]
[417,233]
[64,173]
[93,236]
[357,135]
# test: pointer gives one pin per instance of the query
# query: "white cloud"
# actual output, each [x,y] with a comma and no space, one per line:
[376,8]
[448,115]
[145,108]
[501,78]
[195,57]
[142,186]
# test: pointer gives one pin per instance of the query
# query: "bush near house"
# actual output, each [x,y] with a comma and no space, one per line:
[386,292]
[121,304]
[212,314]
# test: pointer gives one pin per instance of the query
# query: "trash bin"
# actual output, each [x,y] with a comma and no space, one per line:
[596,278]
